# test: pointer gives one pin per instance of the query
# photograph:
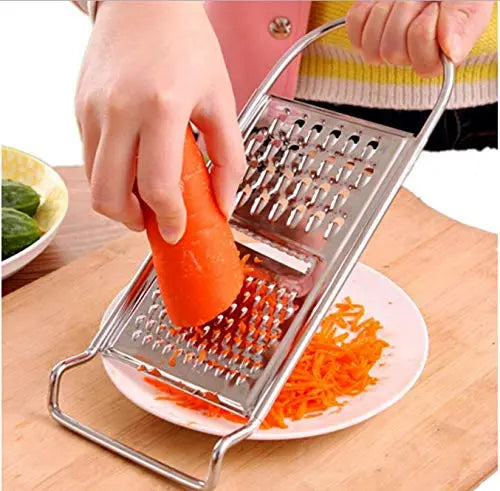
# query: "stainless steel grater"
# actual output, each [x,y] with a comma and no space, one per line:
[317,185]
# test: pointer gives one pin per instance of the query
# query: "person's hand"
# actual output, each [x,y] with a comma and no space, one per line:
[411,33]
[150,67]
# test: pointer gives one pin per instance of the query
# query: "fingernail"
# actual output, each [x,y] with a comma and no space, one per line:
[171,235]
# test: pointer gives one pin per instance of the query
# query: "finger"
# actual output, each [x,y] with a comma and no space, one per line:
[460,26]
[159,173]
[393,46]
[355,21]
[373,31]
[225,147]
[113,176]
[422,42]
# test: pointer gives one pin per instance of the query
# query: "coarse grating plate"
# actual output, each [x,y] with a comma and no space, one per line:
[312,174]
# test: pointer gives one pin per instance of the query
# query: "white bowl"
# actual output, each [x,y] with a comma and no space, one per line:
[29,170]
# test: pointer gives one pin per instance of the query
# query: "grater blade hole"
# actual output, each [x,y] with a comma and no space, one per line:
[333,227]
[332,139]
[350,144]
[370,149]
[314,133]
[364,177]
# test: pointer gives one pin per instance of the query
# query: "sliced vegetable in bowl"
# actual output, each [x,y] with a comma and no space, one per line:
[19,231]
[20,171]
[19,196]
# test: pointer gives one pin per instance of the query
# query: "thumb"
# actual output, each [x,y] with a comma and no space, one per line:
[460,25]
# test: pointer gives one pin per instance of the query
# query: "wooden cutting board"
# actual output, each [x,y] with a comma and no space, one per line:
[442,435]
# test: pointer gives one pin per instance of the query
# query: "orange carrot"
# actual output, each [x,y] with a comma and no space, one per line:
[331,367]
[201,275]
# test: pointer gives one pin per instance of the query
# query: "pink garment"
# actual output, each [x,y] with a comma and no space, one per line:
[249,49]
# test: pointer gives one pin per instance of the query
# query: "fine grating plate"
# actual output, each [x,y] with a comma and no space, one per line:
[404,329]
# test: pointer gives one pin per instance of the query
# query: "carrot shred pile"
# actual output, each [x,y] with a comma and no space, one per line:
[336,364]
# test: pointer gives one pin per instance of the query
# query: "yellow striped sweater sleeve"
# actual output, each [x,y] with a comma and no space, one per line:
[332,71]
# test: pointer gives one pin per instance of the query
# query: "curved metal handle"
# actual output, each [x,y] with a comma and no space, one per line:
[218,452]
[258,96]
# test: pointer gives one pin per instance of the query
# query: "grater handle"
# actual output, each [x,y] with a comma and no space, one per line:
[219,450]
[258,98]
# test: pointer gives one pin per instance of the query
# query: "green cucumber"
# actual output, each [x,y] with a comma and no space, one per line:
[20,197]
[18,231]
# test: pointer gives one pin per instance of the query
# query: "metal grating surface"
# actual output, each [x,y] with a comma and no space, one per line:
[310,173]
[225,357]
[312,176]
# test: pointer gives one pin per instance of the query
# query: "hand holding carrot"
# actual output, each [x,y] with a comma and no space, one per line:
[412,32]
[150,67]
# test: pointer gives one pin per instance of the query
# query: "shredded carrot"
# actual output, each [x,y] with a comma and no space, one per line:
[336,364]
[173,358]
[244,259]
[252,270]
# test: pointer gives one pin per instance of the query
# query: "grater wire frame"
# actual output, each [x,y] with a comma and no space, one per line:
[315,306]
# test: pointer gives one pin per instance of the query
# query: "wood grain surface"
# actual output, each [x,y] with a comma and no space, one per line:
[441,435]
[82,231]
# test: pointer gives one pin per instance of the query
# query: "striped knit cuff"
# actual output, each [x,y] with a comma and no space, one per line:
[335,75]
[392,96]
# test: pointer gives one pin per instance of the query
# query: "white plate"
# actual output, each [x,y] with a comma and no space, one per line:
[399,368]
